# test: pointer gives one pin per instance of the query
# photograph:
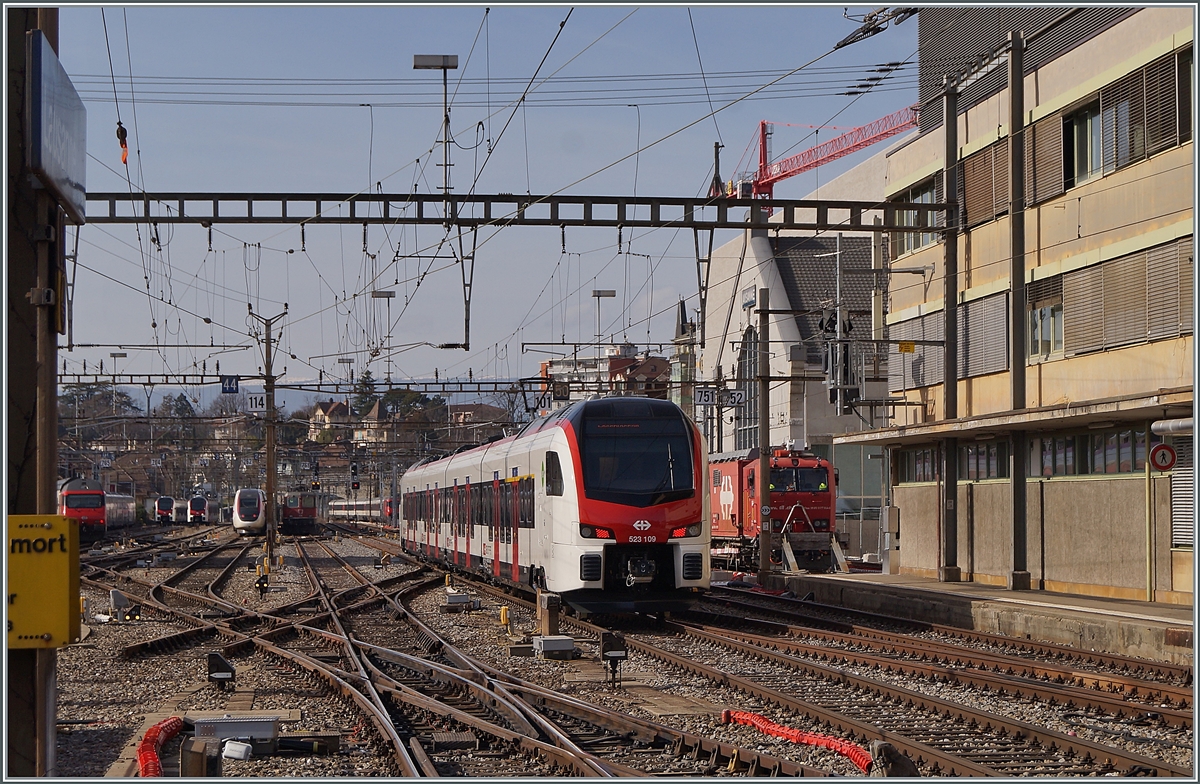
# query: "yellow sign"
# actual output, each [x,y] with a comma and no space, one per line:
[908,347]
[43,581]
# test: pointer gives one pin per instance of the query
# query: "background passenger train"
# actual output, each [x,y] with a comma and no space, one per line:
[120,511]
[181,511]
[250,511]
[603,502]
[82,500]
[365,510]
[198,509]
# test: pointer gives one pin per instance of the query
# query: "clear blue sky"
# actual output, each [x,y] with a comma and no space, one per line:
[232,99]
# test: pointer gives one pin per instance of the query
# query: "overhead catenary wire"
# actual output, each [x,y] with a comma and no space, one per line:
[430,269]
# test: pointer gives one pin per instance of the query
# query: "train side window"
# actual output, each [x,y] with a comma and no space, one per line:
[554,477]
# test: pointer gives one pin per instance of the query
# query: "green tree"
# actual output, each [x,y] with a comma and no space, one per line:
[95,411]
[363,395]
[402,402]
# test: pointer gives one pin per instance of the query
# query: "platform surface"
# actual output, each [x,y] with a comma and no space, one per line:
[1148,630]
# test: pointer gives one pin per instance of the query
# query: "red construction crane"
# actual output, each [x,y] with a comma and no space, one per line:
[864,136]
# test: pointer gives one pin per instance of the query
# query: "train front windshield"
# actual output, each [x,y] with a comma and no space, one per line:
[81,501]
[639,462]
[248,506]
[197,504]
[803,480]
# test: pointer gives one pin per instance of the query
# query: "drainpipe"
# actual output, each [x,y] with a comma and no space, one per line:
[1150,543]
[1172,427]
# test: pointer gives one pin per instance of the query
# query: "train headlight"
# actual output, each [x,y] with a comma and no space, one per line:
[692,530]
[595,532]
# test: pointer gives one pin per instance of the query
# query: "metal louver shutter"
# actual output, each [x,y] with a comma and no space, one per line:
[1083,310]
[1162,291]
[960,34]
[1125,300]
[1162,123]
[978,187]
[693,566]
[1043,160]
[1044,290]
[923,367]
[927,367]
[1000,177]
[1183,496]
[1123,121]
[1186,273]
[983,336]
[1184,81]
[897,363]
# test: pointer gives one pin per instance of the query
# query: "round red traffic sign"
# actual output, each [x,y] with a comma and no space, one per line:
[1162,457]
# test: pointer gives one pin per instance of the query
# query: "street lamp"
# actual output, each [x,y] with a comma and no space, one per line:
[445,63]
[600,294]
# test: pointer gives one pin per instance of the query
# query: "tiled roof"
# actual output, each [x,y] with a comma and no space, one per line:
[810,279]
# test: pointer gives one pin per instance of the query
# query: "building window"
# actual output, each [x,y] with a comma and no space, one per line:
[746,434]
[1045,328]
[1082,148]
[1120,451]
[983,461]
[917,465]
[906,242]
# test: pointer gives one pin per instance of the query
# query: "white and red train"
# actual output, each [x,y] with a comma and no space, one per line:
[602,502]
[96,511]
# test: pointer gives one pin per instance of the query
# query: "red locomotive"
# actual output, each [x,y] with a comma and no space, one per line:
[303,511]
[803,503]
[82,500]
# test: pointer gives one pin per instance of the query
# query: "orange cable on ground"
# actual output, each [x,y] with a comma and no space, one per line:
[149,764]
[852,751]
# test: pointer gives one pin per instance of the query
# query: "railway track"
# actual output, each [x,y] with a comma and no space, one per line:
[949,739]
[1088,665]
[349,629]
[1010,675]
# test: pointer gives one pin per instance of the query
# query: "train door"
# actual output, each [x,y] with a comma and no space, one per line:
[521,521]
[495,522]
[454,511]
[464,517]
[429,522]
[509,527]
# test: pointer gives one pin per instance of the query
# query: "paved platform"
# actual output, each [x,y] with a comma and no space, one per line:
[1161,632]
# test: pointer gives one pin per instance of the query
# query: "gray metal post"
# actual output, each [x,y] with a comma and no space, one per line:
[765,537]
[949,570]
[1019,579]
[269,421]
